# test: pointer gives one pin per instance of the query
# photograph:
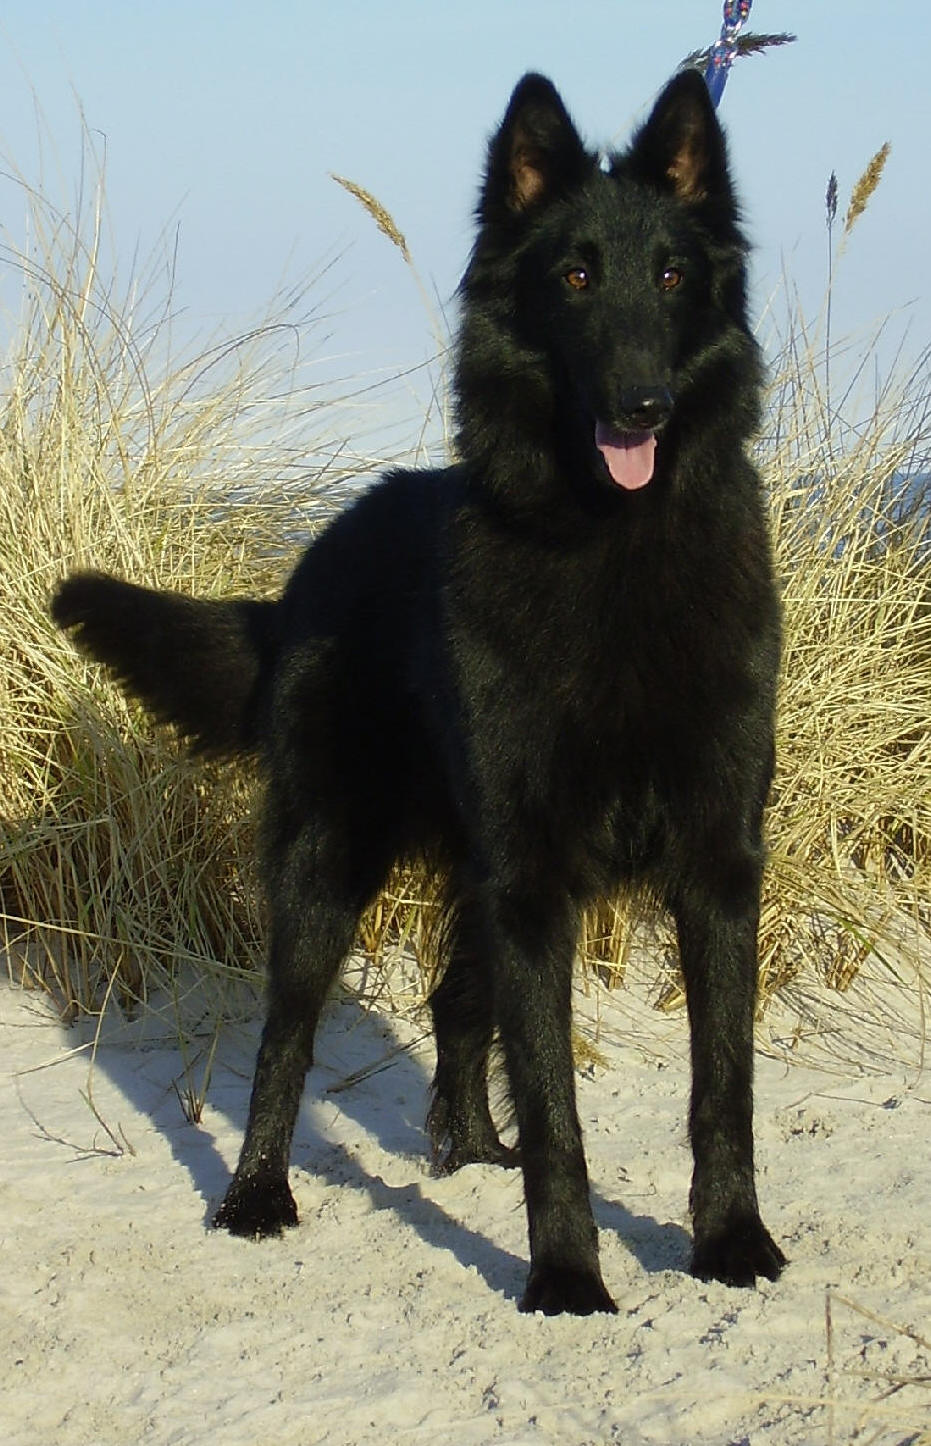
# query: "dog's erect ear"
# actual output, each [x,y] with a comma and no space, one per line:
[535,155]
[681,147]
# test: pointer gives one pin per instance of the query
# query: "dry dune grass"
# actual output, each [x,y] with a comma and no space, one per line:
[126,871]
[120,862]
[850,818]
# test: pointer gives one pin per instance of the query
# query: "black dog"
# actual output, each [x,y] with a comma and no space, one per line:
[550,666]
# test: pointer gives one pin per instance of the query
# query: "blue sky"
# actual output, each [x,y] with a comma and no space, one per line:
[222,122]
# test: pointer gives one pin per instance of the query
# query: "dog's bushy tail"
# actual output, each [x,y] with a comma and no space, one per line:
[198,663]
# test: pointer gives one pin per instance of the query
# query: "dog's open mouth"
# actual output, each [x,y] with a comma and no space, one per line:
[628,456]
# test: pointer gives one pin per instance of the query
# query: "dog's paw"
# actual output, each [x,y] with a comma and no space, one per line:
[257,1208]
[489,1152]
[558,1290]
[738,1254]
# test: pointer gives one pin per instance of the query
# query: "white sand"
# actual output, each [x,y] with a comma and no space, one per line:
[389,1315]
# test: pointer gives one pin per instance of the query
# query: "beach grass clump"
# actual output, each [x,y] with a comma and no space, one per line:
[125,868]
[850,816]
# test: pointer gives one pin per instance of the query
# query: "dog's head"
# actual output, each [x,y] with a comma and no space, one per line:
[608,286]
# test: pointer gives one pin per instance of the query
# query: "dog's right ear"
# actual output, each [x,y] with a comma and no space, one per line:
[535,155]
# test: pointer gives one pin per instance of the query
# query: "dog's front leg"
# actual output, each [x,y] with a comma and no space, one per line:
[717,923]
[534,944]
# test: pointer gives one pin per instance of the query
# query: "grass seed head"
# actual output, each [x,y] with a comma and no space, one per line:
[865,186]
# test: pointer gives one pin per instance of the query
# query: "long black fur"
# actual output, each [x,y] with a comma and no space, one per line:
[552,682]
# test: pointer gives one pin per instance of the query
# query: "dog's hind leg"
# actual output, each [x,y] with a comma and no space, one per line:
[717,929]
[461,1128]
[314,910]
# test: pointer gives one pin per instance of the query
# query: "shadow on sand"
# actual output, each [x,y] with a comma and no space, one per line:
[387,1095]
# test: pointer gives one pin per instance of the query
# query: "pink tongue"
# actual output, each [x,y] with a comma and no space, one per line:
[628,455]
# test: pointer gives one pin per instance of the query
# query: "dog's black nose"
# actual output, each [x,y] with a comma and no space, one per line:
[643,409]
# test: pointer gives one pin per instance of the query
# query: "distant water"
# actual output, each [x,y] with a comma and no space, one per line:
[914,493]
[910,496]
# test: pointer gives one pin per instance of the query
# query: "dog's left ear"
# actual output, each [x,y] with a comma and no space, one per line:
[681,147]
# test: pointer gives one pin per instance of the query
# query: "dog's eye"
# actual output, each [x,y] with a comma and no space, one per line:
[671,278]
[578,278]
